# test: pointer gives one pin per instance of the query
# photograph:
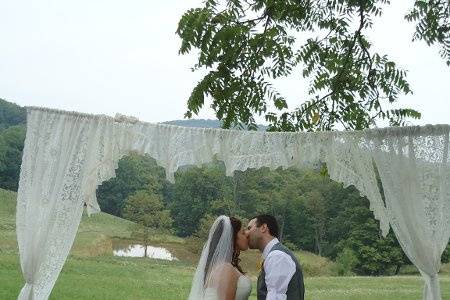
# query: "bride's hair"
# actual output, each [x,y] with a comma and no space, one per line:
[237,225]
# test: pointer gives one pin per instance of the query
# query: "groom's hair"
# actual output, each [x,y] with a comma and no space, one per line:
[271,223]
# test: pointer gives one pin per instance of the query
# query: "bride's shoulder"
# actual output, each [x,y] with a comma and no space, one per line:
[226,268]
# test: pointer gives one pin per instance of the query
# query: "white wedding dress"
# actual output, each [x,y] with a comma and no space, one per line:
[243,290]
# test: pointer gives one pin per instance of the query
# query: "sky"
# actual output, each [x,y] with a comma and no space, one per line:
[116,56]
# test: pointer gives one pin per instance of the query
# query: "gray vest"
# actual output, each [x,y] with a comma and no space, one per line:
[296,288]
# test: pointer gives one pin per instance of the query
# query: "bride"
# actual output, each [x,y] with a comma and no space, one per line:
[218,275]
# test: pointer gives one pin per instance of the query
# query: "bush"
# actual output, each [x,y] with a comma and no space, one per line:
[194,244]
[291,246]
[345,262]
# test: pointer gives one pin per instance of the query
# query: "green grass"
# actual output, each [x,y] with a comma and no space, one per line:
[91,272]
[136,278]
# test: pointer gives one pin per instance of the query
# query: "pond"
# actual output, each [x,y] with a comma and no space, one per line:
[137,250]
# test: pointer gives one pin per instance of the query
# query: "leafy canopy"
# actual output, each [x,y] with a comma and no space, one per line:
[244,45]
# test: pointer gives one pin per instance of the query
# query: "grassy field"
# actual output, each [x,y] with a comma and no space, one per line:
[91,272]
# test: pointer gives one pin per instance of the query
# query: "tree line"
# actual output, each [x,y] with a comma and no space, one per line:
[12,136]
[315,213]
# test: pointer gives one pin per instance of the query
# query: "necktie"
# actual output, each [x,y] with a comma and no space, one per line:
[260,264]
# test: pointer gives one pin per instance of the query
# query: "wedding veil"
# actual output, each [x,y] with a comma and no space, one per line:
[217,253]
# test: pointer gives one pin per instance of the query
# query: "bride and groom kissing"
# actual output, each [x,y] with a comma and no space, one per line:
[219,276]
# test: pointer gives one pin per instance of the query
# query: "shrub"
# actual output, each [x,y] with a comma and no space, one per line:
[345,262]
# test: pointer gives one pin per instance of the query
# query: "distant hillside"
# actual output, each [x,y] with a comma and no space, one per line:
[11,114]
[202,123]
[196,123]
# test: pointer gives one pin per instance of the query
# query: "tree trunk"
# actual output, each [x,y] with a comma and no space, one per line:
[397,269]
[317,241]
[319,248]
[235,186]
[281,230]
[321,234]
[283,220]
[145,244]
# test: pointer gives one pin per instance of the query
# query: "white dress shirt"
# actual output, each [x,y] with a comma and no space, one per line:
[279,268]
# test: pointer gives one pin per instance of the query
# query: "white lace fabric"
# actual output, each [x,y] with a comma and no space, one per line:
[67,155]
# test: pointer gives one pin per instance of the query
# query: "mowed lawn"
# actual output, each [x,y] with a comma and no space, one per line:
[91,272]
[136,278]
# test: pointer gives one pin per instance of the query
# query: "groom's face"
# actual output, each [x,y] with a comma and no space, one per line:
[254,234]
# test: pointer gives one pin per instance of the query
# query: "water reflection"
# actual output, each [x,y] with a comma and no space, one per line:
[136,250]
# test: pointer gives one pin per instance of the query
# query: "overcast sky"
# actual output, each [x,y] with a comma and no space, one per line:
[116,56]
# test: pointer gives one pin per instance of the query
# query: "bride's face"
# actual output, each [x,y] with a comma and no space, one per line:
[241,240]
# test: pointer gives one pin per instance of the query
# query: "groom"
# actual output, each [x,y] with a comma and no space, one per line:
[281,276]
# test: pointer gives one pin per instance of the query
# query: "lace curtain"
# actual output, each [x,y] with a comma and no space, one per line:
[67,155]
[414,169]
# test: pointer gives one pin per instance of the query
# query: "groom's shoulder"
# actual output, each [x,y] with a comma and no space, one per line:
[282,248]
[279,258]
[279,250]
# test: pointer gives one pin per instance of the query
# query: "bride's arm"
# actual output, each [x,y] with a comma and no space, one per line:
[227,282]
